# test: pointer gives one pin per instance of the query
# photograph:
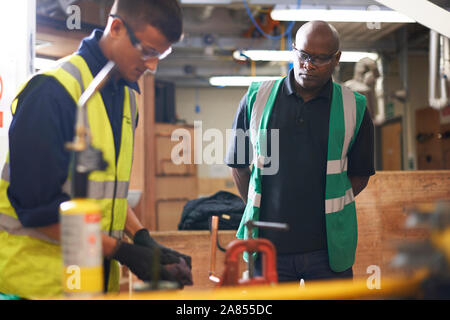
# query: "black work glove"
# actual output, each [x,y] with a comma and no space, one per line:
[141,261]
[143,238]
[180,272]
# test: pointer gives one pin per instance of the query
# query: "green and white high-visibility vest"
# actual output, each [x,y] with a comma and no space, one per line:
[346,114]
[30,262]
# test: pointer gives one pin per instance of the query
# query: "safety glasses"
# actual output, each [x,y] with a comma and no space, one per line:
[317,60]
[146,53]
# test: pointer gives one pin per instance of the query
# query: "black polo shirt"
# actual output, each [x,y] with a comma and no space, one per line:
[296,194]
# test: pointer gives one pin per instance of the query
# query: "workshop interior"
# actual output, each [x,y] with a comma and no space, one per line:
[394,53]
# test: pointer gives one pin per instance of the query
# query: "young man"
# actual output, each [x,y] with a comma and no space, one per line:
[139,33]
[325,159]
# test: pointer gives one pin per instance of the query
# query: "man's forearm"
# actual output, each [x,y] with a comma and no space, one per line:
[358,184]
[54,232]
[132,223]
[241,177]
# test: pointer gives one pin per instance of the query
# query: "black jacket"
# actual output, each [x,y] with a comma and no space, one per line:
[196,213]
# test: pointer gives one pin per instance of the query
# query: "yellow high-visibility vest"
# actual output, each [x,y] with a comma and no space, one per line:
[30,262]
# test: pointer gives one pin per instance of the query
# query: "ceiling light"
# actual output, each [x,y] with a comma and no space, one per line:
[43,63]
[238,81]
[355,14]
[276,55]
[355,56]
[42,44]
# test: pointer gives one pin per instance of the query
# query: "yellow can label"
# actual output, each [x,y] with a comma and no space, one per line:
[82,253]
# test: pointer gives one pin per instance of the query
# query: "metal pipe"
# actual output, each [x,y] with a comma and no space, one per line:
[82,136]
[438,44]
[213,249]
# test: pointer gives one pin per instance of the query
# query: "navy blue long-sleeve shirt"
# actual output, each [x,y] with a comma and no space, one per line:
[43,123]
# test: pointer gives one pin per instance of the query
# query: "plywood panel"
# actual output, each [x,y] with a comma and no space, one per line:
[210,186]
[169,214]
[176,187]
[381,213]
[143,170]
[391,146]
[164,148]
[429,151]
[445,131]
[197,245]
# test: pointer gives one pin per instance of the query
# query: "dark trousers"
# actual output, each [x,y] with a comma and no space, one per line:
[307,266]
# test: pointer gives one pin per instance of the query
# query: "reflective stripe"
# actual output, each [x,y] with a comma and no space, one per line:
[133,109]
[349,101]
[337,166]
[338,204]
[258,108]
[260,162]
[254,196]
[13,226]
[102,189]
[105,189]
[6,172]
[74,72]
[118,234]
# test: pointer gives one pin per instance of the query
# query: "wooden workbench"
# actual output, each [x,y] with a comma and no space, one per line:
[381,211]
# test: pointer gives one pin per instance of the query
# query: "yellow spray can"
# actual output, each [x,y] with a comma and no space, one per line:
[81,248]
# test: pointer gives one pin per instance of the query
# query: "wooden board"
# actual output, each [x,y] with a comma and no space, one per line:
[165,146]
[176,187]
[168,214]
[210,186]
[429,151]
[197,245]
[391,146]
[381,213]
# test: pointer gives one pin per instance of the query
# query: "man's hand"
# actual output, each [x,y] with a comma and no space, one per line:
[143,262]
[143,238]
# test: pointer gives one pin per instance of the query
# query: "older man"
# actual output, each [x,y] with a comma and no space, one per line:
[325,145]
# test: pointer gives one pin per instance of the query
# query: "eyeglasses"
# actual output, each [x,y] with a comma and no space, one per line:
[146,53]
[317,60]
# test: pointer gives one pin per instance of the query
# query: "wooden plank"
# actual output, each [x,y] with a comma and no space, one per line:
[381,210]
[210,186]
[429,151]
[168,214]
[176,187]
[391,140]
[197,245]
[164,162]
[143,171]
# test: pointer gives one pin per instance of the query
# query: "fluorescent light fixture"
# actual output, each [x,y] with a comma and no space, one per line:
[276,55]
[205,2]
[289,13]
[43,63]
[265,55]
[355,56]
[238,81]
[42,44]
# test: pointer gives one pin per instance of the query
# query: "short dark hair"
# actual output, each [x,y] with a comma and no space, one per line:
[164,15]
